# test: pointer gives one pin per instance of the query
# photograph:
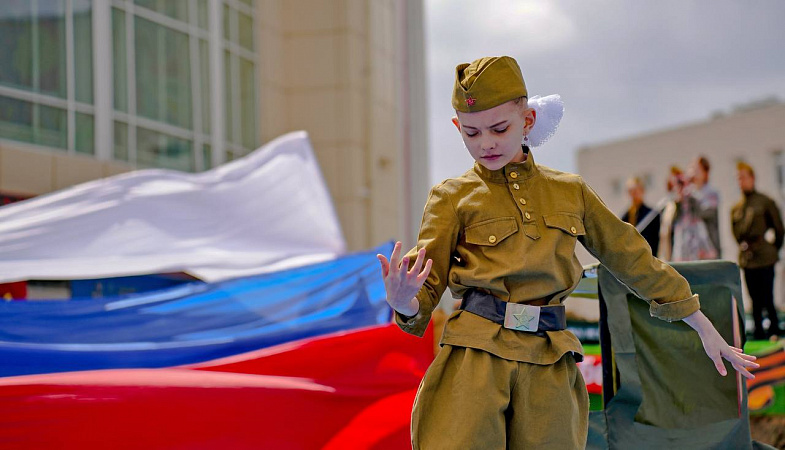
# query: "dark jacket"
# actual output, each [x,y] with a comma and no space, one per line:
[751,218]
[652,231]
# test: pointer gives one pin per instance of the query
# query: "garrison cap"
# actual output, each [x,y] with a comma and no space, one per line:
[486,83]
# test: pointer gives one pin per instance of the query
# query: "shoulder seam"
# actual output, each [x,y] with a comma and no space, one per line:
[447,196]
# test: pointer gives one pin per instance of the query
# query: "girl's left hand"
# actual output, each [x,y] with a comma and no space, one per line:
[717,349]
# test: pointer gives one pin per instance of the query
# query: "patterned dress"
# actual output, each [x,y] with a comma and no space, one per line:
[693,239]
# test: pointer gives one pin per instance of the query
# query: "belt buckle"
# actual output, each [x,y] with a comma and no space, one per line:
[522,317]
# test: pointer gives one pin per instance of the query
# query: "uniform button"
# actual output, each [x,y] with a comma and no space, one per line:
[516,186]
[523,201]
[573,230]
[491,239]
[514,174]
[527,216]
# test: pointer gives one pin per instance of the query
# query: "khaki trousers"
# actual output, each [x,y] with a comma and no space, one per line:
[471,399]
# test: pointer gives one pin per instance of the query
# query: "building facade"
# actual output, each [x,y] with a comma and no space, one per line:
[93,88]
[754,134]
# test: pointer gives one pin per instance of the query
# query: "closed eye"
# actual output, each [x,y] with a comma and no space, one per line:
[502,131]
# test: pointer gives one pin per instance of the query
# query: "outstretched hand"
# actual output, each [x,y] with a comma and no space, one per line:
[401,283]
[717,349]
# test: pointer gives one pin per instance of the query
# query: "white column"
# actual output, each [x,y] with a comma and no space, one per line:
[196,91]
[70,83]
[103,86]
[215,24]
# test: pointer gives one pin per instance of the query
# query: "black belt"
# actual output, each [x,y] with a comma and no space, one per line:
[515,316]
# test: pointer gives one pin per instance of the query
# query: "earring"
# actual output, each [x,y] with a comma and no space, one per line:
[525,143]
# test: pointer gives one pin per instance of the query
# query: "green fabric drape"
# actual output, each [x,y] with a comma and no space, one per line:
[669,394]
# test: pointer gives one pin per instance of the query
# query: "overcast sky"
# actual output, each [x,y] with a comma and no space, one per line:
[622,67]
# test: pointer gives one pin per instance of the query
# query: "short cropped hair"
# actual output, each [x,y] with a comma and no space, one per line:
[704,163]
[634,182]
[741,165]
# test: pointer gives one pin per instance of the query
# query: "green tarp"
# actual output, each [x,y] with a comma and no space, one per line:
[661,390]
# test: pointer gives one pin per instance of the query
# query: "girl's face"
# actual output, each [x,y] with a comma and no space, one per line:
[493,136]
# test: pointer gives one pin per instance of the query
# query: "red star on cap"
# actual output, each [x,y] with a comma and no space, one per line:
[470,101]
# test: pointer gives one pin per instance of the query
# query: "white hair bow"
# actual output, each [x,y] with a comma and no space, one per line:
[550,110]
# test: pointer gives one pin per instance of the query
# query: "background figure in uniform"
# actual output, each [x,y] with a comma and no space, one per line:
[639,211]
[752,217]
[696,227]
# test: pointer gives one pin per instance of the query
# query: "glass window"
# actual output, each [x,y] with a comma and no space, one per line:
[201,14]
[50,35]
[83,51]
[16,119]
[34,58]
[49,90]
[204,77]
[228,98]
[247,104]
[32,54]
[240,81]
[245,25]
[207,156]
[176,9]
[52,129]
[228,23]
[161,150]
[85,134]
[16,62]
[163,74]
[120,141]
[25,121]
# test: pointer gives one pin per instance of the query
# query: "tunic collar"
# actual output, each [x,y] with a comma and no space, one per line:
[509,173]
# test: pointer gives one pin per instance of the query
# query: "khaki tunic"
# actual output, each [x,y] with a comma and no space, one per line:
[751,218]
[512,232]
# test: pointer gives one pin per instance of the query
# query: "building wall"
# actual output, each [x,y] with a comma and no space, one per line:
[351,73]
[28,171]
[756,136]
[349,77]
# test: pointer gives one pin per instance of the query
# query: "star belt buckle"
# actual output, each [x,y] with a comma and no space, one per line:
[522,317]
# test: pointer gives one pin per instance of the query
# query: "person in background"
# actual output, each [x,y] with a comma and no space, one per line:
[696,226]
[752,217]
[668,214]
[640,214]
[707,199]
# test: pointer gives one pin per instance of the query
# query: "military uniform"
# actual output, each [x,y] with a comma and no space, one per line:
[751,218]
[512,233]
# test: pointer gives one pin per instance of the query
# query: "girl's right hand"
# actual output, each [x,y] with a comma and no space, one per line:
[401,283]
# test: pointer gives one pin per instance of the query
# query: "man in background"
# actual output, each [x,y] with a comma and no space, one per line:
[639,214]
[752,218]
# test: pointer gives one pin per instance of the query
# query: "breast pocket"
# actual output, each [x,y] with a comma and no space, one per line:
[491,232]
[570,223]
